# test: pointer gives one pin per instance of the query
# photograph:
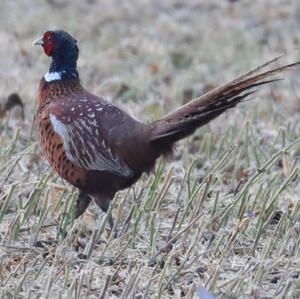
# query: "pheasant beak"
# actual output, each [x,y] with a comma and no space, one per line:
[38,42]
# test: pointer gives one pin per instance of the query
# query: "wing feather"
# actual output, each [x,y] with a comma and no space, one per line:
[83,143]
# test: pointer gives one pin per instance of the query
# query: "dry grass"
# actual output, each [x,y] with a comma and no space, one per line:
[223,215]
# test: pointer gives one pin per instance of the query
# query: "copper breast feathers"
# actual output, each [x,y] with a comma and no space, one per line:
[78,119]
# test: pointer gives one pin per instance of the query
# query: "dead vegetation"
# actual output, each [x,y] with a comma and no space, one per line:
[224,215]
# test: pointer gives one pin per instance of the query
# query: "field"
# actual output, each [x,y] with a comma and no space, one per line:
[223,216]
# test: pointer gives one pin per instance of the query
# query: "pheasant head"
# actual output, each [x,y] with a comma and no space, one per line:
[63,50]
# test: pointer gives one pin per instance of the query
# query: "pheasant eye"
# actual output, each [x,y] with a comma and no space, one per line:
[49,38]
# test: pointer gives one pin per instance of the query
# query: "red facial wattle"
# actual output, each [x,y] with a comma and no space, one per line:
[48,43]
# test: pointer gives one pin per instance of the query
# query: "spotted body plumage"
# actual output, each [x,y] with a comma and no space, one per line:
[80,134]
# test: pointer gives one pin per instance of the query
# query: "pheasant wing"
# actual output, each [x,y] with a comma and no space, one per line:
[84,144]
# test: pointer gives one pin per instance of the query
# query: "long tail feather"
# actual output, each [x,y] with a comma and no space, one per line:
[187,118]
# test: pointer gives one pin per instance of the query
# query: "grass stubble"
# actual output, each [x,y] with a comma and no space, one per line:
[223,215]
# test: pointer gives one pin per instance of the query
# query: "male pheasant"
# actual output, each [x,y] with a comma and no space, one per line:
[99,148]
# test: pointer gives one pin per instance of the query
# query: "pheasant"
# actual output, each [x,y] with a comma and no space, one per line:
[99,148]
